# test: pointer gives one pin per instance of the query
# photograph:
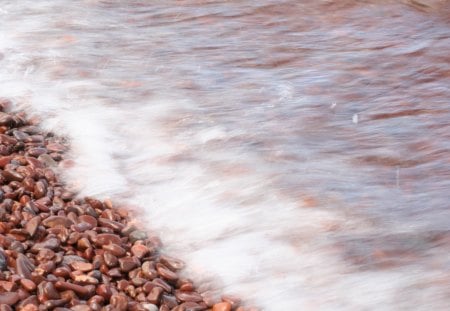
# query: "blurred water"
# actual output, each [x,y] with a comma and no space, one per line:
[295,153]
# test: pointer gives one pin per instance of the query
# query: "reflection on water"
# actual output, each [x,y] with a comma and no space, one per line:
[295,151]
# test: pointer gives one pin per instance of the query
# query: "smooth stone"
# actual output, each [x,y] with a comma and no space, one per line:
[54,221]
[28,285]
[32,225]
[119,302]
[24,266]
[222,306]
[116,226]
[155,295]
[166,273]
[81,266]
[188,296]
[171,262]
[3,260]
[51,243]
[88,219]
[68,259]
[115,249]
[150,307]
[47,160]
[107,238]
[140,251]
[10,175]
[137,235]
[128,263]
[9,298]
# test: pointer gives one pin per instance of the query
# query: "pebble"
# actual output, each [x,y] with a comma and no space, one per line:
[9,298]
[54,221]
[24,266]
[32,225]
[137,235]
[128,263]
[140,251]
[60,252]
[222,306]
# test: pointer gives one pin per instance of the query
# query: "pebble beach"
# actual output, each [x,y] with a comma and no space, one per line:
[61,252]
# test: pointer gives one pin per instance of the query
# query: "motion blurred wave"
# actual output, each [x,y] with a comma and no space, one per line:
[295,153]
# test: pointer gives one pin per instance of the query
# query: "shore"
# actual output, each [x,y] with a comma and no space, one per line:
[62,252]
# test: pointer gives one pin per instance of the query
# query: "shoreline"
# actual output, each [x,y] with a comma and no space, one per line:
[61,252]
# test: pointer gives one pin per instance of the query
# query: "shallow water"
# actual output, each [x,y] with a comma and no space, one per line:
[295,153]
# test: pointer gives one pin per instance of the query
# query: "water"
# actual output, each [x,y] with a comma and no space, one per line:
[295,153]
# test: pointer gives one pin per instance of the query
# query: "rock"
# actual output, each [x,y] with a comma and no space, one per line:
[9,298]
[150,307]
[32,225]
[188,296]
[28,285]
[171,262]
[115,250]
[81,266]
[222,306]
[166,273]
[140,251]
[11,175]
[3,260]
[119,302]
[137,235]
[116,226]
[155,295]
[68,259]
[128,263]
[51,243]
[54,221]
[24,266]
[107,238]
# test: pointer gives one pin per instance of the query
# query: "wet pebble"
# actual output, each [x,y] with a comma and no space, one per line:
[222,306]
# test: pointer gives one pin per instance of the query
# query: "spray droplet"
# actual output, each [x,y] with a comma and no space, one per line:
[355,118]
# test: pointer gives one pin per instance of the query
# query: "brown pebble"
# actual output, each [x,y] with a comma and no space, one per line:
[116,226]
[39,190]
[163,284]
[188,296]
[88,219]
[119,302]
[140,251]
[128,263]
[81,266]
[24,266]
[68,259]
[80,308]
[78,289]
[85,279]
[222,306]
[169,300]
[32,225]
[233,300]
[4,160]
[115,273]
[28,285]
[115,249]
[171,263]
[110,260]
[166,273]
[11,175]
[104,291]
[192,306]
[54,221]
[107,238]
[51,243]
[155,295]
